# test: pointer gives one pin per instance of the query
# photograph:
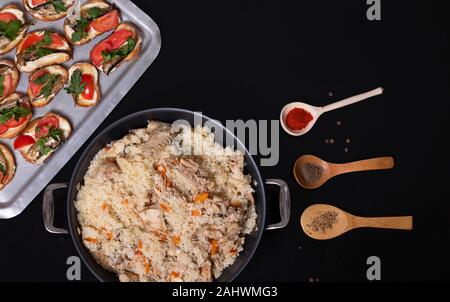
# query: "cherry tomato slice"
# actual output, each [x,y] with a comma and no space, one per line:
[32,39]
[38,2]
[57,41]
[3,128]
[7,85]
[36,88]
[118,38]
[89,89]
[7,17]
[23,141]
[44,125]
[106,22]
[96,53]
[12,123]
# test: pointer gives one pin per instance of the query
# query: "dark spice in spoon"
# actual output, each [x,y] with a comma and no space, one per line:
[311,172]
[324,222]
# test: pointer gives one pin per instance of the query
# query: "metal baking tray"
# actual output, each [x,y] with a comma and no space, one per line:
[30,179]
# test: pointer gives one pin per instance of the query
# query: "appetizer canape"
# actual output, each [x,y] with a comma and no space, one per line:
[48,10]
[15,113]
[96,17]
[43,137]
[83,84]
[42,48]
[9,78]
[7,166]
[12,27]
[45,83]
[121,46]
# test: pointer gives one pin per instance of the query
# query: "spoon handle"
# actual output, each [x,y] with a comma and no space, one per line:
[379,163]
[399,223]
[352,100]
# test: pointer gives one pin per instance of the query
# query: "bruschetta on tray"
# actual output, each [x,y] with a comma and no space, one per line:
[43,137]
[7,166]
[49,10]
[12,27]
[40,49]
[9,78]
[15,113]
[123,45]
[45,83]
[96,17]
[83,84]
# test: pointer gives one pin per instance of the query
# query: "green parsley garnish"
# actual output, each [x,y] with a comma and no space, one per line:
[49,80]
[59,5]
[43,149]
[17,112]
[40,47]
[10,29]
[94,12]
[121,52]
[76,86]
[55,133]
[2,168]
[80,29]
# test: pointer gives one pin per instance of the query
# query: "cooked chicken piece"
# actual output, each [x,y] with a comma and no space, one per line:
[205,272]
[159,138]
[236,164]
[189,178]
[154,218]
[190,164]
[107,169]
[128,277]
[233,230]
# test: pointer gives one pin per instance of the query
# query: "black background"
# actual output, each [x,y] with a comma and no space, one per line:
[246,60]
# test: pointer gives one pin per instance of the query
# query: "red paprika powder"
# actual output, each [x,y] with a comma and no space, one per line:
[298,118]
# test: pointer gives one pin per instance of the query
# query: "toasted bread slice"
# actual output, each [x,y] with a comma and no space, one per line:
[12,99]
[62,54]
[41,101]
[92,33]
[13,9]
[64,125]
[10,69]
[86,68]
[7,159]
[43,13]
[131,55]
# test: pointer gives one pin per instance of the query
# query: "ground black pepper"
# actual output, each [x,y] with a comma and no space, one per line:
[311,172]
[323,222]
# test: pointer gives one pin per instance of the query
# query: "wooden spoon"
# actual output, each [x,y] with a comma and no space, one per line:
[312,172]
[322,221]
[316,112]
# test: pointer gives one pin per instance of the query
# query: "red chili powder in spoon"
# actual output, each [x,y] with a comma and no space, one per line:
[298,118]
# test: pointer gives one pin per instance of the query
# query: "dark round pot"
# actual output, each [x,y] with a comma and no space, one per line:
[139,120]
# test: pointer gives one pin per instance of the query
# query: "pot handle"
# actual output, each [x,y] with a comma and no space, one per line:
[48,209]
[284,202]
